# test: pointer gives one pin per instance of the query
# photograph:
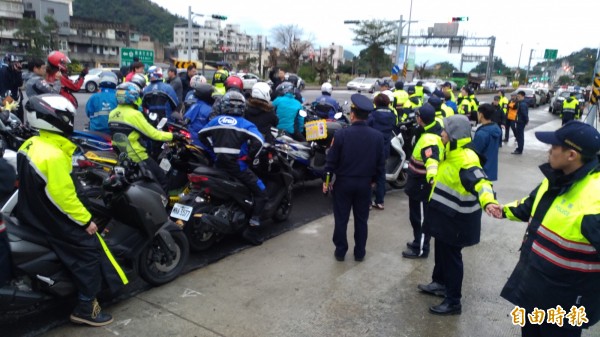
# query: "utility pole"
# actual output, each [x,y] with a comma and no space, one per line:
[260,65]
[490,65]
[203,55]
[528,66]
[189,33]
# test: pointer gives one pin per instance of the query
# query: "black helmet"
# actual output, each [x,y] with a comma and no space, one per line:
[292,79]
[399,85]
[284,88]
[204,92]
[232,103]
[410,90]
[386,83]
[420,83]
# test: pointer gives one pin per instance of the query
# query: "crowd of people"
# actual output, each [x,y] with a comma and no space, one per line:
[450,173]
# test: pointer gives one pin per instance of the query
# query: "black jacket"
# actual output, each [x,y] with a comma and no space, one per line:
[523,113]
[262,114]
[10,79]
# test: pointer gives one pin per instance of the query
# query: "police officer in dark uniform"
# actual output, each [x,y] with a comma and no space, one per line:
[353,176]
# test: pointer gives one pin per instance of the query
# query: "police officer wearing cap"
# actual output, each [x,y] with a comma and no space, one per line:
[422,169]
[559,263]
[353,176]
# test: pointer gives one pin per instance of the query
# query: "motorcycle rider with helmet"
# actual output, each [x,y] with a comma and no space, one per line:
[103,102]
[293,79]
[235,140]
[287,109]
[197,115]
[159,97]
[127,119]
[326,106]
[189,98]
[57,62]
[233,83]
[44,163]
[260,111]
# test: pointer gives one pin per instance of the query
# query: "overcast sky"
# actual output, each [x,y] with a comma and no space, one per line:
[535,24]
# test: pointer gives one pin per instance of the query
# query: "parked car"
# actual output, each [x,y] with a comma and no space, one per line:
[531,98]
[368,85]
[543,93]
[249,80]
[91,81]
[353,84]
[557,101]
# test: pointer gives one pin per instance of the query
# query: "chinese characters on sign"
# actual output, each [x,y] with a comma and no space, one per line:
[575,317]
[316,130]
[129,54]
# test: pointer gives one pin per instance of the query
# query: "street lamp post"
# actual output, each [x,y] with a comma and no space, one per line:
[189,45]
[528,66]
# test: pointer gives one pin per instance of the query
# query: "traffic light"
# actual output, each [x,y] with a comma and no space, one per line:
[219,17]
[460,18]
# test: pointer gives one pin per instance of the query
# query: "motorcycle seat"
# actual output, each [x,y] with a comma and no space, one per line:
[26,233]
[210,171]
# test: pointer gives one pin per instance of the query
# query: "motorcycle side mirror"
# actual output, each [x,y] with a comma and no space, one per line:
[162,122]
[338,115]
[302,113]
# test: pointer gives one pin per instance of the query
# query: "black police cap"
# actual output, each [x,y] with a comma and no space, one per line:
[361,103]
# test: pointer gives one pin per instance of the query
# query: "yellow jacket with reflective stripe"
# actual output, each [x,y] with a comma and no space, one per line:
[429,166]
[409,104]
[503,102]
[474,105]
[459,193]
[419,90]
[465,107]
[572,105]
[559,239]
[130,121]
[46,172]
[401,96]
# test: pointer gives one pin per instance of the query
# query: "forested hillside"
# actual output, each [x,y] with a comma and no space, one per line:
[143,15]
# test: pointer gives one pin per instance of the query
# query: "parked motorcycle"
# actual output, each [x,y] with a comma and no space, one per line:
[133,223]
[219,204]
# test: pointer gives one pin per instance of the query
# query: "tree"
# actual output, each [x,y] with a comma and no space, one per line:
[41,37]
[376,35]
[422,71]
[443,69]
[289,38]
[481,68]
[564,79]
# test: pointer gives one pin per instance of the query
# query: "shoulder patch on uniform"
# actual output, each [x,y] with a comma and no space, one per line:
[428,152]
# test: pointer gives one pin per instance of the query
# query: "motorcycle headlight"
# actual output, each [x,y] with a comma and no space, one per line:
[199,200]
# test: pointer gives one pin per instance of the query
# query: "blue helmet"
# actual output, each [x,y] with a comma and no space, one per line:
[284,88]
[127,93]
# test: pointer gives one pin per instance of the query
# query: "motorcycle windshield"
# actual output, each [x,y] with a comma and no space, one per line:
[123,145]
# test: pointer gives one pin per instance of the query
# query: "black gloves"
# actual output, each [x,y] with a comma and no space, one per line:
[178,136]
[83,72]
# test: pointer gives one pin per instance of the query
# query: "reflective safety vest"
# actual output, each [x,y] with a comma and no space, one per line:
[419,90]
[559,239]
[474,104]
[452,97]
[503,103]
[400,96]
[512,111]
[570,106]
[428,152]
[413,102]
[465,106]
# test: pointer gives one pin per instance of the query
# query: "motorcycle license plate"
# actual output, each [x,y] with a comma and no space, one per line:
[165,164]
[181,212]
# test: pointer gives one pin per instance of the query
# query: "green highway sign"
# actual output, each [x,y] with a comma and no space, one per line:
[145,56]
[550,54]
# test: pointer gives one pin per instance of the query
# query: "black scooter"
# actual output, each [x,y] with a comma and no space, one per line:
[219,204]
[132,221]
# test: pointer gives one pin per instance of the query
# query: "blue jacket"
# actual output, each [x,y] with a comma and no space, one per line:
[166,101]
[287,108]
[384,120]
[198,116]
[98,108]
[487,142]
[232,139]
[523,112]
[452,105]
[327,99]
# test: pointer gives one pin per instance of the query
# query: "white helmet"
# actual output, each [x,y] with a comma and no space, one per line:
[261,90]
[327,87]
[389,94]
[51,112]
[196,81]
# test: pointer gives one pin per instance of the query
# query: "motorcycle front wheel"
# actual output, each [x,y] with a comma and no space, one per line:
[156,267]
[284,209]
